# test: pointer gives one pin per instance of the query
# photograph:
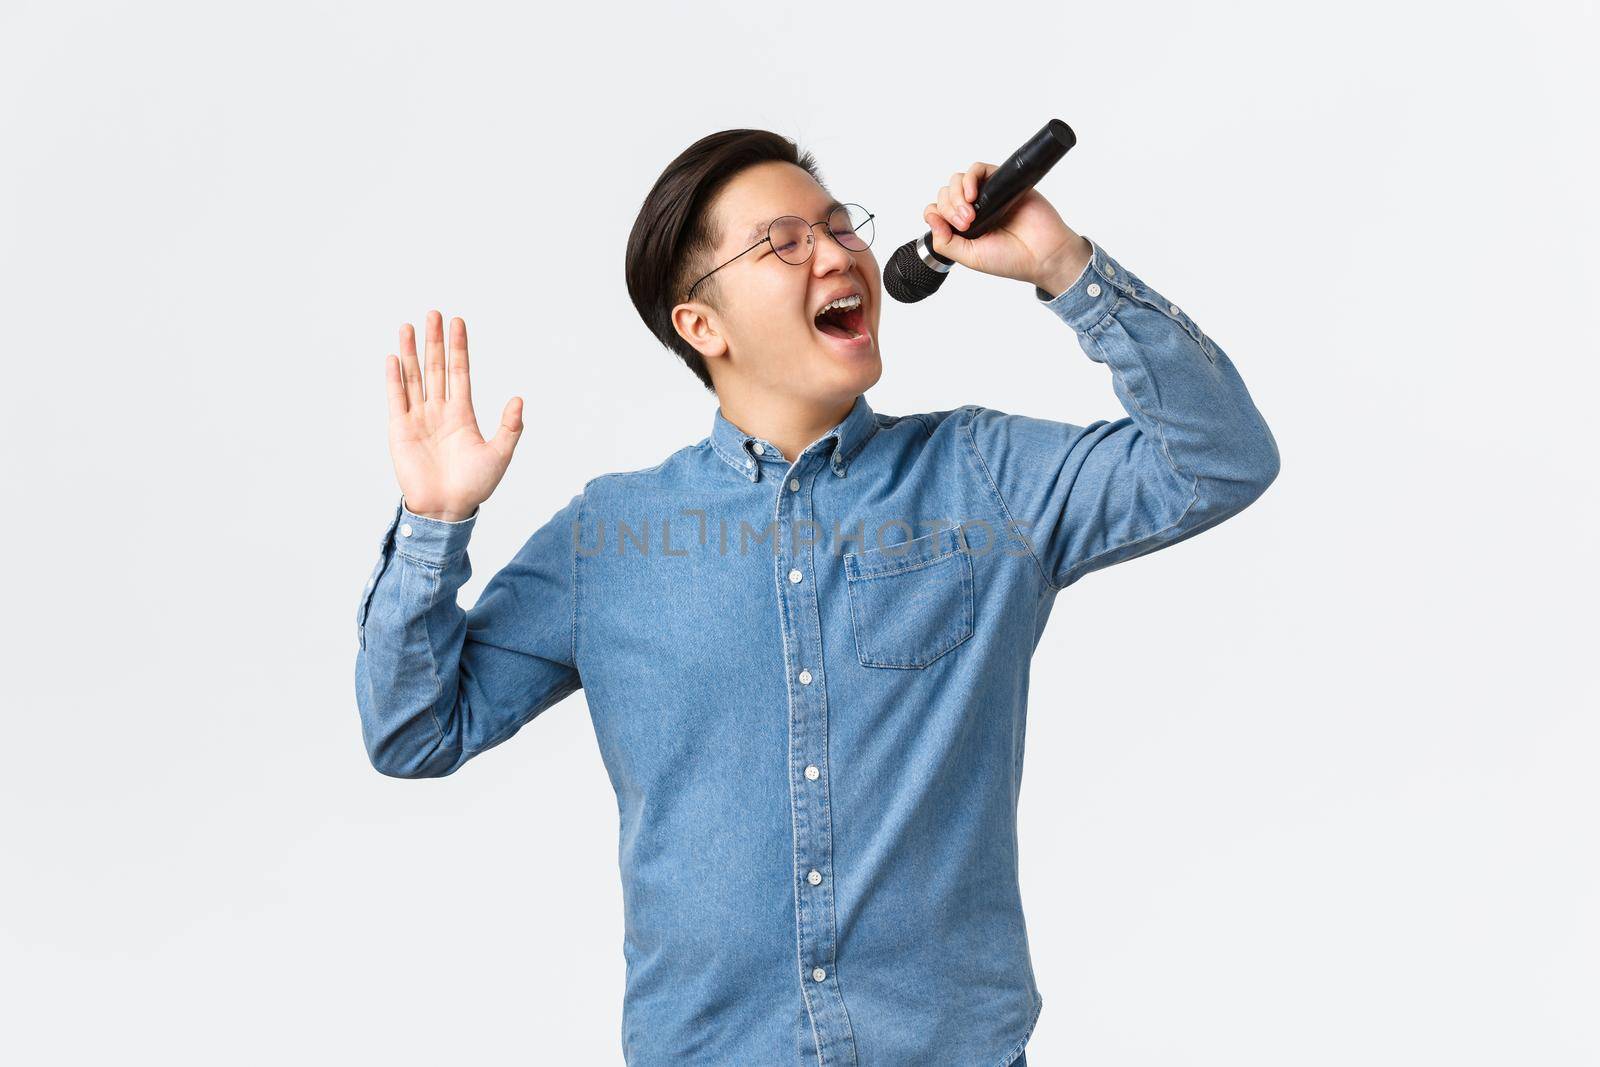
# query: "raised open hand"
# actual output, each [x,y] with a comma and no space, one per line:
[444,466]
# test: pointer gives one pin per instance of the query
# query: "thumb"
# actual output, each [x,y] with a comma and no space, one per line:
[505,438]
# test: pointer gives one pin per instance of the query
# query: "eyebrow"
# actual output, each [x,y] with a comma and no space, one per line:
[759,229]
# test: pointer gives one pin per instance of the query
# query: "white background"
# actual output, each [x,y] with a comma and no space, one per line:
[1317,787]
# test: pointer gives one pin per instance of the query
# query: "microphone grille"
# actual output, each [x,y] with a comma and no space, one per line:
[907,278]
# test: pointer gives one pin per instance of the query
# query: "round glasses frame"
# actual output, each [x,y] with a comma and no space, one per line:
[810,240]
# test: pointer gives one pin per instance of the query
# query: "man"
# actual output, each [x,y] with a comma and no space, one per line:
[805,638]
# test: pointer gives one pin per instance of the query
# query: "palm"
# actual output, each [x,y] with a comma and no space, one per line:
[1031,236]
[1014,249]
[443,464]
[442,457]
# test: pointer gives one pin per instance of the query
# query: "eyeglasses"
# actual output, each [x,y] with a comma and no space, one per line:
[792,238]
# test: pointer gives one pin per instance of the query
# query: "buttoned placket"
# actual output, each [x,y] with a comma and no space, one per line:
[794,570]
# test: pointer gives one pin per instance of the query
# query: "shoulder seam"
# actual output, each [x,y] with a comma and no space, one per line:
[972,411]
[640,470]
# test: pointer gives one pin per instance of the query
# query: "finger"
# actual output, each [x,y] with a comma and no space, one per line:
[949,210]
[433,381]
[942,233]
[394,385]
[505,438]
[409,367]
[973,177]
[959,200]
[961,204]
[460,374]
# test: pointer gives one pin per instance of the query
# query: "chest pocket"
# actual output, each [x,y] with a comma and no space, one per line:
[910,603]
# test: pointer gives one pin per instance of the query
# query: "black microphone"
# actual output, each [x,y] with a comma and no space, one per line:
[916,270]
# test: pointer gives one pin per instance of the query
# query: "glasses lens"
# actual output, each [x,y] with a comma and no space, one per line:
[852,226]
[791,239]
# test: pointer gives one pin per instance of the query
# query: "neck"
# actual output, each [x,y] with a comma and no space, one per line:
[789,422]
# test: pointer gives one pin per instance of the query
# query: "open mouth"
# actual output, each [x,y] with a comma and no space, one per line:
[847,324]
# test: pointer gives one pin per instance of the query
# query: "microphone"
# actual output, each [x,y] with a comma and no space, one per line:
[915,270]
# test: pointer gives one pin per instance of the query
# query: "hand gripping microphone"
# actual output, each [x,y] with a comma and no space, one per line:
[916,270]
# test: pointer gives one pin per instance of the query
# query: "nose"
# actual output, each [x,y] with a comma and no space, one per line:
[828,254]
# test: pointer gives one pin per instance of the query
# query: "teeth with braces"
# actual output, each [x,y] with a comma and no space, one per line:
[842,303]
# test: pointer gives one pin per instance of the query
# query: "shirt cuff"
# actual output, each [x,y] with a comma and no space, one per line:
[429,540]
[1090,298]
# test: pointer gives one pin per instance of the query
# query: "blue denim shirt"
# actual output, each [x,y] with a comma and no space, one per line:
[809,682]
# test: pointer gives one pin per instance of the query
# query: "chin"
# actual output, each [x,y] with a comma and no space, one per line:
[855,359]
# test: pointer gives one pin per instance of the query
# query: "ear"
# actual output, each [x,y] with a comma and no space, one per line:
[696,324]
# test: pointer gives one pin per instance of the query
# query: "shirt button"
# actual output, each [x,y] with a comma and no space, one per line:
[812,772]
[819,974]
[1172,308]
[794,576]
[755,446]
[815,878]
[794,485]
[1094,289]
[1111,272]
[805,677]
[405,529]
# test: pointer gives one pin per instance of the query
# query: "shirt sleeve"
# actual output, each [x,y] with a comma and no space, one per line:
[436,685]
[1191,451]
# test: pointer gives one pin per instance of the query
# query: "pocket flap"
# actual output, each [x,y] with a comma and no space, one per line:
[905,556]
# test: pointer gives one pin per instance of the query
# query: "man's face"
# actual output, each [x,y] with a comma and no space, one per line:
[766,338]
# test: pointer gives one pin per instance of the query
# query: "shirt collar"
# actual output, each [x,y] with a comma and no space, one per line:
[840,444]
